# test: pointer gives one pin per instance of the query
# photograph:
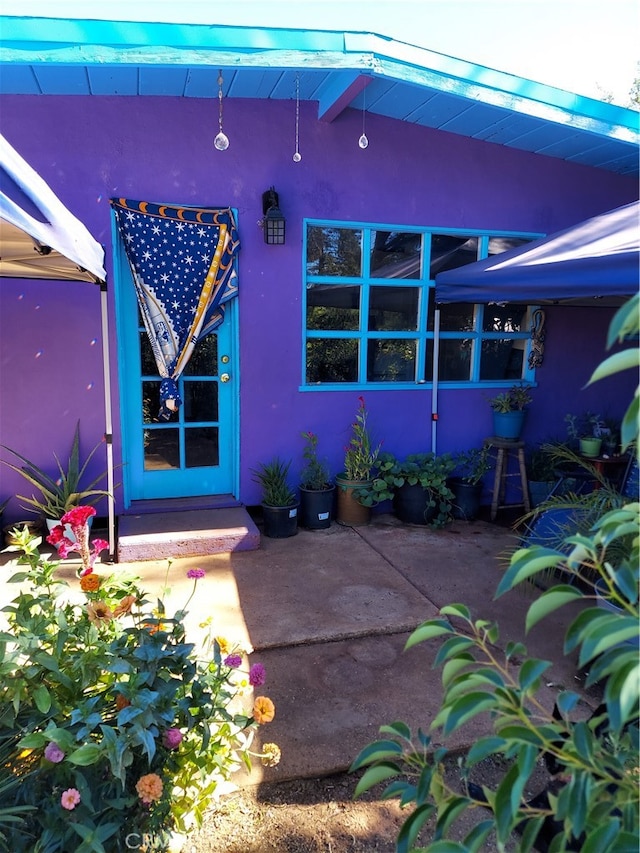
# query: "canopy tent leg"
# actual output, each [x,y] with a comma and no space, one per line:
[436,369]
[108,420]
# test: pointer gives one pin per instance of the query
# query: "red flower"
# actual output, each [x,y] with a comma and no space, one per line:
[79,515]
[56,535]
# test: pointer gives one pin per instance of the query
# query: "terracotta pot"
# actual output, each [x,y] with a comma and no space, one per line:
[350,512]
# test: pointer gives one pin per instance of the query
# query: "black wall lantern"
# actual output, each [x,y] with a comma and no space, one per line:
[273,222]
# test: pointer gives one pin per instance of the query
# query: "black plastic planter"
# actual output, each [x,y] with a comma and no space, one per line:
[280,522]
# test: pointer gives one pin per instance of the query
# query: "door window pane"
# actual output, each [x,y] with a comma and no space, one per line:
[448,252]
[391,361]
[334,307]
[393,309]
[200,400]
[161,449]
[204,359]
[502,359]
[395,254]
[334,251]
[148,366]
[332,360]
[201,447]
[150,401]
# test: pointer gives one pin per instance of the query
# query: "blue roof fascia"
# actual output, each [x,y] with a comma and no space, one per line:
[55,41]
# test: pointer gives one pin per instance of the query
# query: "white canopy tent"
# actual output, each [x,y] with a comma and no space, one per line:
[50,243]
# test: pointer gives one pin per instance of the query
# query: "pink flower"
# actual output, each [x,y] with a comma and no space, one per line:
[70,799]
[233,661]
[53,753]
[172,738]
[257,675]
[195,574]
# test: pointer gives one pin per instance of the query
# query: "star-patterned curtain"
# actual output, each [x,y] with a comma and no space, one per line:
[182,263]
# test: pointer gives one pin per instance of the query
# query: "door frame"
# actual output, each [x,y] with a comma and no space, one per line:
[122,277]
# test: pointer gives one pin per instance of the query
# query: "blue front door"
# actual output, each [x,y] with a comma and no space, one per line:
[195,452]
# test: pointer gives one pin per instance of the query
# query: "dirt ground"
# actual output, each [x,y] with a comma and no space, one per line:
[321,816]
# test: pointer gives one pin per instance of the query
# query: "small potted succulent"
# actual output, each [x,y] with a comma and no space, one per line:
[279,501]
[60,492]
[316,488]
[509,412]
[587,431]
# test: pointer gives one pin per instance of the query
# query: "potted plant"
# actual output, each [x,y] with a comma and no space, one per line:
[466,482]
[541,471]
[417,485]
[360,458]
[316,488]
[62,492]
[509,412]
[586,431]
[279,501]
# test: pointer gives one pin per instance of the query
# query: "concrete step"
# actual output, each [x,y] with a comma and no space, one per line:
[188,533]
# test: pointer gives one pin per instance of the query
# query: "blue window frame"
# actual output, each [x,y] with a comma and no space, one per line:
[369,309]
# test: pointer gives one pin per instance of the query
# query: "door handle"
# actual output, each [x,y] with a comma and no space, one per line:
[225,377]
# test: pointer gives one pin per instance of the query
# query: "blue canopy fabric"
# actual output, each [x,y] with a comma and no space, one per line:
[598,258]
[182,263]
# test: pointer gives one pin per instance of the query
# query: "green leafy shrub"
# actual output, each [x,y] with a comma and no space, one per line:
[593,805]
[111,722]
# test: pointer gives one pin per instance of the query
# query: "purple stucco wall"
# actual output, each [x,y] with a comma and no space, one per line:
[160,149]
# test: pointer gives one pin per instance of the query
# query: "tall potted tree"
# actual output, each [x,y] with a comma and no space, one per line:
[316,488]
[360,458]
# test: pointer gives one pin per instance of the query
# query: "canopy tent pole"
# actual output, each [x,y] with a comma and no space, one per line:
[108,419]
[72,255]
[436,369]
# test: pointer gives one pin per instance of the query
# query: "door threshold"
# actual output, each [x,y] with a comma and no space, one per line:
[143,507]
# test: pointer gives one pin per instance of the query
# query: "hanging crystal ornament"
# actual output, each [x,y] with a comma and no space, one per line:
[297,155]
[221,142]
[363,142]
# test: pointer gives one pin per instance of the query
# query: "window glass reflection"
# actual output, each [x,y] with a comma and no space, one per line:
[454,360]
[393,308]
[454,317]
[502,359]
[504,244]
[332,360]
[335,307]
[334,251]
[395,254]
[449,251]
[391,361]
[503,318]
